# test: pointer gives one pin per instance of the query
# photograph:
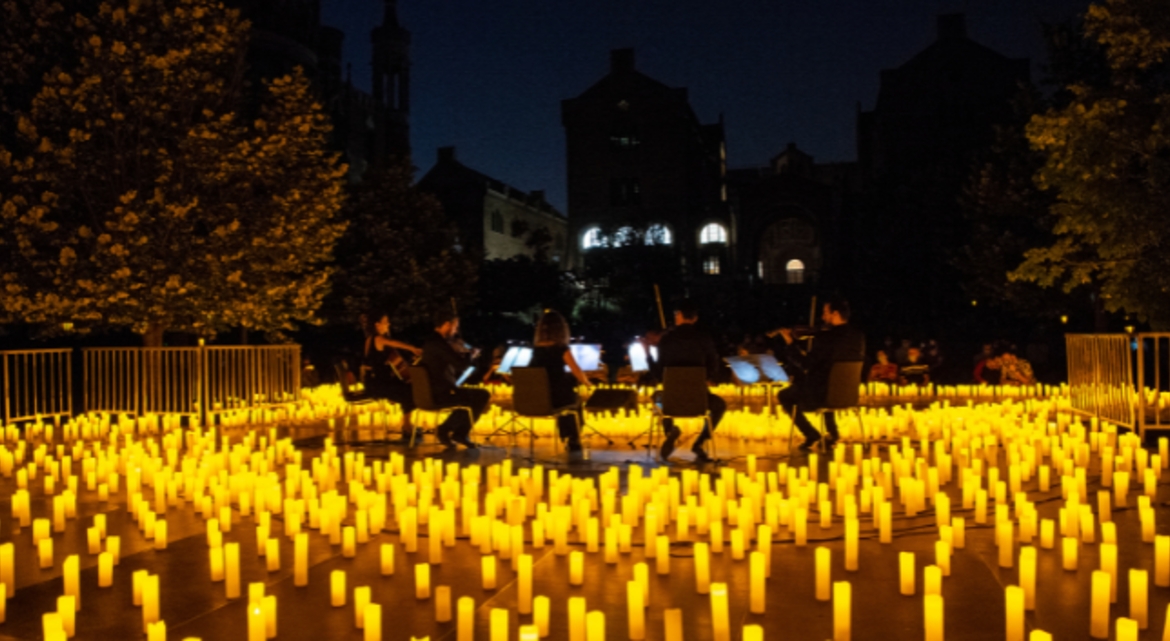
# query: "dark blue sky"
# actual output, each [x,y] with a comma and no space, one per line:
[488,75]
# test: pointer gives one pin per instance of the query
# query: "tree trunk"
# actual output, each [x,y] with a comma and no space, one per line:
[153,336]
[243,335]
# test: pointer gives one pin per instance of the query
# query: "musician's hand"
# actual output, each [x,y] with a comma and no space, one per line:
[417,351]
[474,353]
[787,335]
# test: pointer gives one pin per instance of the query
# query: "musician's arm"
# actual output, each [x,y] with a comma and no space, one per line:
[575,368]
[390,342]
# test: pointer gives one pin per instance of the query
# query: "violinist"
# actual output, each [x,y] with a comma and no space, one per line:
[688,345]
[835,342]
[444,363]
[386,374]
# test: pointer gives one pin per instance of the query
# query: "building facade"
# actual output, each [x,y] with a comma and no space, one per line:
[642,169]
[499,220]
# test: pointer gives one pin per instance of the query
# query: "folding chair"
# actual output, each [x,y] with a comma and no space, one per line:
[684,395]
[844,393]
[424,399]
[532,399]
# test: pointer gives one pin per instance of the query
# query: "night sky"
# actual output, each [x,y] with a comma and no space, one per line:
[488,76]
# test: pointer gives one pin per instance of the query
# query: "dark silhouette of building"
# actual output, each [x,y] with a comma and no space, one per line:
[642,170]
[498,220]
[367,129]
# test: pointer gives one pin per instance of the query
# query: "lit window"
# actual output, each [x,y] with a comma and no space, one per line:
[497,222]
[711,265]
[593,238]
[795,272]
[624,237]
[713,233]
[760,268]
[659,235]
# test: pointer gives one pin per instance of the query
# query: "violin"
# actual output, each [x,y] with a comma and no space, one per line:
[798,331]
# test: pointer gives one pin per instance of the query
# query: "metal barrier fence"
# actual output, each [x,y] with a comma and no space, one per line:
[1153,381]
[36,383]
[1100,376]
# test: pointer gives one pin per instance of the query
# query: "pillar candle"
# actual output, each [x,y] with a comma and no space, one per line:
[932,580]
[823,571]
[885,529]
[45,553]
[540,614]
[465,624]
[672,622]
[642,576]
[387,559]
[851,532]
[442,603]
[1069,550]
[8,565]
[702,568]
[524,584]
[933,620]
[1005,541]
[272,554]
[757,583]
[160,535]
[257,626]
[842,609]
[499,624]
[301,560]
[105,570]
[577,618]
[1139,597]
[1014,612]
[636,610]
[94,540]
[361,598]
[1099,608]
[150,597]
[337,590]
[1162,561]
[231,577]
[114,547]
[908,572]
[422,581]
[349,542]
[269,607]
[67,608]
[373,623]
[1108,554]
[720,614]
[71,577]
[752,632]
[136,582]
[663,560]
[1047,533]
[576,568]
[487,566]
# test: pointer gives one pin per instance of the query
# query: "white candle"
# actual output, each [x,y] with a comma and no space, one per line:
[1099,608]
[373,623]
[636,610]
[361,598]
[720,614]
[842,611]
[1139,599]
[823,573]
[465,625]
[422,581]
[1014,598]
[907,571]
[337,590]
[757,583]
[933,620]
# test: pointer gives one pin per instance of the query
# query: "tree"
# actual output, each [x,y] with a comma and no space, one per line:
[1106,157]
[400,255]
[146,186]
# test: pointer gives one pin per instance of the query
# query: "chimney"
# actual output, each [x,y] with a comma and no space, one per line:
[621,60]
[446,154]
[952,26]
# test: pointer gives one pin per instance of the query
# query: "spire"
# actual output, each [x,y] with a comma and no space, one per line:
[390,19]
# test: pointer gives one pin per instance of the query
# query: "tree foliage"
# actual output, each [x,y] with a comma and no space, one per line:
[399,255]
[1106,157]
[146,187]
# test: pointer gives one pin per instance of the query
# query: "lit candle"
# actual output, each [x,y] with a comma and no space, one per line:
[524,584]
[642,576]
[752,632]
[1127,630]
[137,579]
[114,547]
[1108,554]
[885,529]
[465,624]
[257,625]
[105,570]
[1014,597]
[1099,608]
[8,565]
[272,554]
[672,621]
[1069,550]
[349,542]
[499,624]
[702,568]
[1161,561]
[443,603]
[71,577]
[663,559]
[908,572]
[54,629]
[67,608]
[150,596]
[720,614]
[488,567]
[823,571]
[1139,597]
[301,560]
[160,535]
[361,598]
[636,610]
[577,618]
[373,623]
[540,612]
[842,609]
[270,615]
[45,553]
[231,554]
[756,580]
[933,609]
[595,625]
[387,559]
[1005,541]
[94,540]
[851,533]
[576,568]
[422,581]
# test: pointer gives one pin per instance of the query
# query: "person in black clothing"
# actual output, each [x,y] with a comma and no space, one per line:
[838,342]
[444,365]
[687,345]
[379,376]
[550,350]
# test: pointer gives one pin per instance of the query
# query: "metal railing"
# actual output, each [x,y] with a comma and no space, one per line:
[1100,376]
[1153,381]
[36,383]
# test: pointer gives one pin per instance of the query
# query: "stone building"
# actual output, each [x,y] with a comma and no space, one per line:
[369,129]
[642,169]
[493,217]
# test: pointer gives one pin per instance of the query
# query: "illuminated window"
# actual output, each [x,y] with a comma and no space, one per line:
[795,272]
[497,222]
[659,235]
[593,238]
[713,233]
[760,268]
[624,237]
[711,265]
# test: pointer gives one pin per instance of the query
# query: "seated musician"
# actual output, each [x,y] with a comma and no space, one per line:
[688,345]
[385,369]
[444,364]
[550,351]
[837,342]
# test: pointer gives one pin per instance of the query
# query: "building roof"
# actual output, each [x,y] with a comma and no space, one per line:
[449,171]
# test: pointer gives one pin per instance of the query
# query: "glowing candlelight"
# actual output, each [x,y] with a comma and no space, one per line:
[1139,597]
[757,583]
[540,613]
[1014,597]
[720,614]
[487,566]
[636,610]
[1099,609]
[361,598]
[576,568]
[422,581]
[499,624]
[465,624]
[933,610]
[842,611]
[231,553]
[577,618]
[908,573]
[823,571]
[373,623]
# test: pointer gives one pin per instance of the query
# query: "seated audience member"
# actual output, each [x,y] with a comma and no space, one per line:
[914,372]
[986,366]
[902,354]
[1015,370]
[883,371]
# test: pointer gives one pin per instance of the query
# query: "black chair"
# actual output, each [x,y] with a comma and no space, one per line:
[532,399]
[424,400]
[844,393]
[684,395]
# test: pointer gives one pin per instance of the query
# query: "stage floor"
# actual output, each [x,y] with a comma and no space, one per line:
[193,606]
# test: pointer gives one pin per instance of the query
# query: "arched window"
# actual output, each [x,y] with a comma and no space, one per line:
[713,233]
[658,234]
[711,265]
[795,270]
[497,222]
[624,236]
[592,238]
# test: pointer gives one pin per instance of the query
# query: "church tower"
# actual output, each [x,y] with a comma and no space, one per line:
[391,64]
